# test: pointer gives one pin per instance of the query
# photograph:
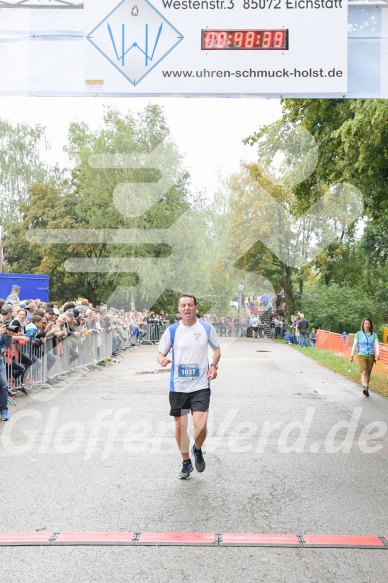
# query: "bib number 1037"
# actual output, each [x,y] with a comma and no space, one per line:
[188,370]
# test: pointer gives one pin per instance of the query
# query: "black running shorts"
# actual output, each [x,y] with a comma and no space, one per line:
[182,403]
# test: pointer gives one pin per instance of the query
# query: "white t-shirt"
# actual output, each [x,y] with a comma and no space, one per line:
[190,363]
[254,322]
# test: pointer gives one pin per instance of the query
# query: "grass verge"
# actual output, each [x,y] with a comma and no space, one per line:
[339,364]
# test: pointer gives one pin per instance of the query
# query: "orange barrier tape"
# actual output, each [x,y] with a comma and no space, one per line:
[342,347]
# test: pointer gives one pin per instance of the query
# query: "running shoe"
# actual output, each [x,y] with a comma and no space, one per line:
[365,391]
[198,457]
[186,470]
[4,415]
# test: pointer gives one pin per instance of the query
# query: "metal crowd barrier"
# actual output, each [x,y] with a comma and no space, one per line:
[29,368]
[217,326]
[152,333]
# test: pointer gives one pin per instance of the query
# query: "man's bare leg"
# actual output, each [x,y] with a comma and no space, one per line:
[182,436]
[200,430]
[200,427]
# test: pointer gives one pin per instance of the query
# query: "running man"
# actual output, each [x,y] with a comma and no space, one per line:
[254,326]
[190,378]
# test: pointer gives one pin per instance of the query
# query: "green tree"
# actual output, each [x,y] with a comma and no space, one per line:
[260,233]
[127,203]
[21,148]
[47,207]
[337,308]
[128,178]
[363,152]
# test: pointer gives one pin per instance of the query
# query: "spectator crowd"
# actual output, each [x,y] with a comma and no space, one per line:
[41,342]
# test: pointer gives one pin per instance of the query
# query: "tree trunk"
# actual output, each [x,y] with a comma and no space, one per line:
[288,293]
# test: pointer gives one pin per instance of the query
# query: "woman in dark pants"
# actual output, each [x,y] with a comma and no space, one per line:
[4,416]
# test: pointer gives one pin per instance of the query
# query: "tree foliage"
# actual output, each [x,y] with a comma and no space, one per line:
[349,270]
[21,148]
[269,221]
[339,308]
[128,177]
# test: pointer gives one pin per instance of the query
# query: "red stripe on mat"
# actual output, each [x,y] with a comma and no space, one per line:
[343,541]
[93,538]
[260,539]
[189,538]
[25,538]
[176,538]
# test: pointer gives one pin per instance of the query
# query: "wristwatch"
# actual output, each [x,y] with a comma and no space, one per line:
[215,366]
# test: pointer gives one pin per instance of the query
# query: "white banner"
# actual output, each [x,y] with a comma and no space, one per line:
[216,46]
[187,47]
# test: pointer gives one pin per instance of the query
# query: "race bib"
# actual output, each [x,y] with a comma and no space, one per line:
[188,371]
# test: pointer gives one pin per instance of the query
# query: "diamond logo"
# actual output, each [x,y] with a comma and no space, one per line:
[134,37]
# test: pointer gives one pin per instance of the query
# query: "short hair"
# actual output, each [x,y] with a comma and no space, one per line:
[36,319]
[187,296]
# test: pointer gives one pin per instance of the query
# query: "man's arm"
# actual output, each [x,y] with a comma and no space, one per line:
[216,355]
[164,349]
[162,359]
[212,374]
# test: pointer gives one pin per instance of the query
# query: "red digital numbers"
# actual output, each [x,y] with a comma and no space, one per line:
[244,39]
[222,39]
[250,38]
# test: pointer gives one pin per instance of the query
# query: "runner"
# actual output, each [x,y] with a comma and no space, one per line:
[190,378]
[254,326]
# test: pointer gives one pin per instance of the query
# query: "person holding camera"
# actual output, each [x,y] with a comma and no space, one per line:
[36,334]
[16,369]
[7,313]
[25,352]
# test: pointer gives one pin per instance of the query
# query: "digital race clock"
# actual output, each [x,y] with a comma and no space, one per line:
[216,40]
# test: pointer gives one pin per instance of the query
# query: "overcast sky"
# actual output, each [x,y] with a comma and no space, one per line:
[208,131]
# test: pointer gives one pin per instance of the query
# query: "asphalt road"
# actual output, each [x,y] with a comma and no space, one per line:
[292,448]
